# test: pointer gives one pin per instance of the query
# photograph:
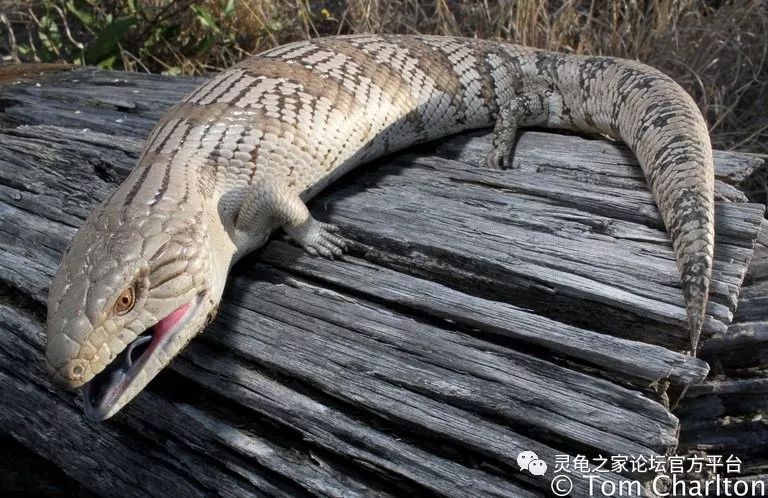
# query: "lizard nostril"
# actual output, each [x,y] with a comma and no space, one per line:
[71,375]
[76,372]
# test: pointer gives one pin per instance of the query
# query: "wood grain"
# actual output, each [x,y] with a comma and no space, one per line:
[478,315]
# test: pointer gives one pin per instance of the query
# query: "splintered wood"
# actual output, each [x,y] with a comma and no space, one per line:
[478,315]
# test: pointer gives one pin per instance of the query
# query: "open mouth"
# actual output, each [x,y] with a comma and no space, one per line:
[105,389]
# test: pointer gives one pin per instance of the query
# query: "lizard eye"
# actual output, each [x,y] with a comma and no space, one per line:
[125,302]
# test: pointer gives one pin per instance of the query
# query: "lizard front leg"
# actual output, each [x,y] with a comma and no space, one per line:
[527,108]
[268,205]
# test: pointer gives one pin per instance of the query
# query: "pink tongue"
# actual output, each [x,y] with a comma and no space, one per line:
[167,323]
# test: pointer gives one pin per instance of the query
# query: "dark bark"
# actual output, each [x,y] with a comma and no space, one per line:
[478,315]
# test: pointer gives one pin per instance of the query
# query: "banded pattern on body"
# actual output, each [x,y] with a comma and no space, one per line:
[243,151]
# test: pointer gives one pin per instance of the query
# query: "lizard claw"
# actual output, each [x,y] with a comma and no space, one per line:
[318,238]
[498,158]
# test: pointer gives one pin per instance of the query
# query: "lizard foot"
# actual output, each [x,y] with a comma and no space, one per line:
[318,238]
[498,158]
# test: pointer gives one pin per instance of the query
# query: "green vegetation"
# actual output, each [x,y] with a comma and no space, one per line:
[718,50]
[170,37]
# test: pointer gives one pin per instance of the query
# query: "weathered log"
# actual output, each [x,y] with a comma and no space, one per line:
[479,314]
[728,413]
[744,346]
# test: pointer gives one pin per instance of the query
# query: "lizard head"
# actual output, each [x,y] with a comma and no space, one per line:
[127,297]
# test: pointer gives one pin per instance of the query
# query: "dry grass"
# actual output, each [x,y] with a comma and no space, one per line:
[717,50]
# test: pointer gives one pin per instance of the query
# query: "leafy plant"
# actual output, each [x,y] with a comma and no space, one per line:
[128,34]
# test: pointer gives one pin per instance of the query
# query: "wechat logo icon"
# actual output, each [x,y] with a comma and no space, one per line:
[528,460]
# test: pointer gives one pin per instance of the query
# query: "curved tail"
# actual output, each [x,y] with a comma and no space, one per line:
[664,128]
[657,119]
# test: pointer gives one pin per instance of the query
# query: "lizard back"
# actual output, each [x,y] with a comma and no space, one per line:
[305,113]
[240,155]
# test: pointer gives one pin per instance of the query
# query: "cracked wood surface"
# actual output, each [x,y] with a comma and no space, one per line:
[727,414]
[535,309]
